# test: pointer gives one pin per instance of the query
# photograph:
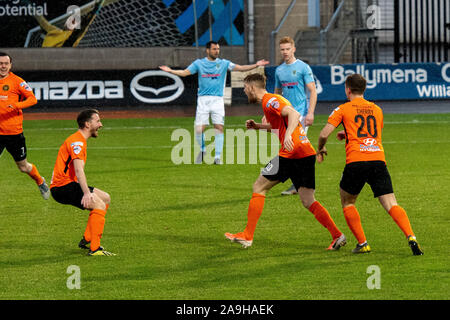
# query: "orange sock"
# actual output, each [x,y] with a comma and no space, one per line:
[321,214]
[255,209]
[96,224]
[34,174]
[401,219]
[87,232]
[354,223]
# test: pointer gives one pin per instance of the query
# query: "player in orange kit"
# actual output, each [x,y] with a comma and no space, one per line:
[365,161]
[69,184]
[296,161]
[15,95]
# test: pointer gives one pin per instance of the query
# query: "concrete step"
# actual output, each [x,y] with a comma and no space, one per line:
[307,43]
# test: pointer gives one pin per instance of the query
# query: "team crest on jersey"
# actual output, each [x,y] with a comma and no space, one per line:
[5,87]
[77,147]
[273,102]
[25,86]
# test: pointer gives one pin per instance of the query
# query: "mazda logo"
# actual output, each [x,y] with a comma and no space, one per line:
[136,88]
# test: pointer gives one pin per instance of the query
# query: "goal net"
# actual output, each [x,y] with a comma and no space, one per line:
[127,23]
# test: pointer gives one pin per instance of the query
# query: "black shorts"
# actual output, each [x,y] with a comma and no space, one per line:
[302,171]
[71,194]
[375,173]
[15,144]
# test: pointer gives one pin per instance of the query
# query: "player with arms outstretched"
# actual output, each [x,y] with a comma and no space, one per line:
[212,73]
[295,161]
[365,161]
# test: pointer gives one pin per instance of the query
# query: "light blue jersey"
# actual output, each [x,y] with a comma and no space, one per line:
[211,75]
[292,79]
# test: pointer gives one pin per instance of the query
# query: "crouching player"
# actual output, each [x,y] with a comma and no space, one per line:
[69,184]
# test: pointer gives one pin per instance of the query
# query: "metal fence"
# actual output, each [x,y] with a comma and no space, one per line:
[421,30]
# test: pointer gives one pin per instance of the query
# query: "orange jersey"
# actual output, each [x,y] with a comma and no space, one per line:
[363,123]
[272,105]
[16,92]
[73,148]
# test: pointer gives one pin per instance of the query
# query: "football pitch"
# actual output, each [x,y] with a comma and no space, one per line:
[166,222]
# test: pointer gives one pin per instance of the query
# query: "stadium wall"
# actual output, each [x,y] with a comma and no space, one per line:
[111,58]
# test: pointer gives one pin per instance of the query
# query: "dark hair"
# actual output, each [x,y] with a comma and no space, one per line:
[257,78]
[356,83]
[4,54]
[208,45]
[84,116]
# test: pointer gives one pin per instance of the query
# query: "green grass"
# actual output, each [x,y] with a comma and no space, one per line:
[166,222]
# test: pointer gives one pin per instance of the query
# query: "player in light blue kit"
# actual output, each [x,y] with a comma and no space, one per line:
[212,73]
[292,78]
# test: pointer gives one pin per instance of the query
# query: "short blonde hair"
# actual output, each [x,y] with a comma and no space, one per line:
[287,40]
[256,79]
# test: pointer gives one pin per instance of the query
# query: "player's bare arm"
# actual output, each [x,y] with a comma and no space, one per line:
[259,63]
[323,138]
[180,73]
[251,124]
[293,120]
[88,197]
[309,119]
[264,121]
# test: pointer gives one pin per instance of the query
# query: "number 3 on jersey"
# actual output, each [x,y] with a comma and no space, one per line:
[368,124]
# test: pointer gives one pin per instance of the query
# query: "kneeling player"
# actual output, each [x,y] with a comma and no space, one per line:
[69,184]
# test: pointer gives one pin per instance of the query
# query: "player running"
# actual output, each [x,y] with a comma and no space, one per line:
[365,161]
[212,73]
[15,95]
[296,160]
[69,184]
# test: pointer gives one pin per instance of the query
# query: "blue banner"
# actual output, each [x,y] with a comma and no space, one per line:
[403,81]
